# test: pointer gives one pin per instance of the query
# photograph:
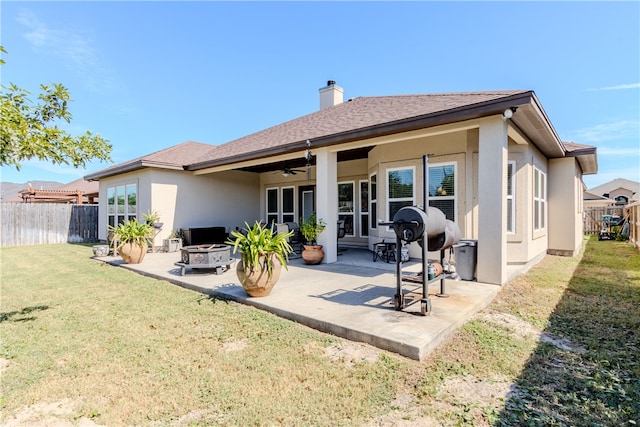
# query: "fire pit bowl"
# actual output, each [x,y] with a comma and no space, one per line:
[205,256]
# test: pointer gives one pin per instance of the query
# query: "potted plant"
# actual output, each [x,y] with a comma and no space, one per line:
[263,253]
[131,239]
[174,242]
[310,230]
[153,219]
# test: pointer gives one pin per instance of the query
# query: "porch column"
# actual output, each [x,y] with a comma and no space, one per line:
[327,201]
[492,205]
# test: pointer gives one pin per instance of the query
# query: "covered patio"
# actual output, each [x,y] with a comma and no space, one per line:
[351,298]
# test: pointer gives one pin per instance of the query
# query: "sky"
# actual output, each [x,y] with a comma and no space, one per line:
[149,75]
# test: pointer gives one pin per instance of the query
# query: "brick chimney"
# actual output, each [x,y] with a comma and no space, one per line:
[330,95]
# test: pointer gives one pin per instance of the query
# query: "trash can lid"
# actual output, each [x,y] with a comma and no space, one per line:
[467,242]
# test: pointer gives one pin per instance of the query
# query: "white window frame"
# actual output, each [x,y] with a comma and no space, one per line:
[266,205]
[363,215]
[353,206]
[455,186]
[539,199]
[411,199]
[128,212]
[293,203]
[512,212]
[373,201]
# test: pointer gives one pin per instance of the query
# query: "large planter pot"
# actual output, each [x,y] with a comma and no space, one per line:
[313,254]
[256,281]
[132,253]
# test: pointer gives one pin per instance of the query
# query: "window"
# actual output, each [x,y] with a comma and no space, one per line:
[122,203]
[401,190]
[442,188]
[539,199]
[346,206]
[373,194]
[364,208]
[272,206]
[288,203]
[511,203]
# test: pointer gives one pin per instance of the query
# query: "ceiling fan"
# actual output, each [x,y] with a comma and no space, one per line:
[286,171]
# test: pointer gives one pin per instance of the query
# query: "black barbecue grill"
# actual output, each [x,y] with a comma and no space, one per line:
[413,224]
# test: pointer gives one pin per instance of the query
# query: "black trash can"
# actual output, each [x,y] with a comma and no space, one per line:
[466,258]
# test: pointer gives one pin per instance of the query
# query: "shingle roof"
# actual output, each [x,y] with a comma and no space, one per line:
[615,184]
[174,157]
[358,113]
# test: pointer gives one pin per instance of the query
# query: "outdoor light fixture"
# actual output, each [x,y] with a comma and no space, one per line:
[508,113]
[285,174]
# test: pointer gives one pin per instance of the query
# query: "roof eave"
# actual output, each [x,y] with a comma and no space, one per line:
[587,159]
[130,167]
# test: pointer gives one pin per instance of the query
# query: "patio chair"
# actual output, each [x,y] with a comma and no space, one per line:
[296,241]
[295,244]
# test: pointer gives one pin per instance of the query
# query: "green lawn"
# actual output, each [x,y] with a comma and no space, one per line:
[105,344]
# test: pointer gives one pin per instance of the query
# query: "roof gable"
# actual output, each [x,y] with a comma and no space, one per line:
[613,185]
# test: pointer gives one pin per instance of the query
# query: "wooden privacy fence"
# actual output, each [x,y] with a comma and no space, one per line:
[593,217]
[634,224]
[45,223]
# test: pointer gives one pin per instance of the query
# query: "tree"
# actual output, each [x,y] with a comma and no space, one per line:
[29,130]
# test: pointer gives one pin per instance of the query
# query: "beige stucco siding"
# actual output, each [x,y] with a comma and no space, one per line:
[565,218]
[446,148]
[184,200]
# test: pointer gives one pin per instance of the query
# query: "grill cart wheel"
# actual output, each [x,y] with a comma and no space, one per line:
[398,301]
[425,307]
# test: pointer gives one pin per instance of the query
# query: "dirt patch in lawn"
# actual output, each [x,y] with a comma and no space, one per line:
[352,352]
[55,414]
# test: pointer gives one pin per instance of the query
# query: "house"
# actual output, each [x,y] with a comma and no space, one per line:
[494,165]
[621,191]
[593,200]
[78,192]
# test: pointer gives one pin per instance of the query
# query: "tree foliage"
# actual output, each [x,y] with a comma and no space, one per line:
[29,130]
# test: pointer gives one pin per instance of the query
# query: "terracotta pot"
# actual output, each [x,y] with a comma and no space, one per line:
[256,281]
[132,253]
[313,254]
[438,268]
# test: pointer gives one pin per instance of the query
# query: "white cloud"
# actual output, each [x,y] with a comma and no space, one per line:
[61,43]
[72,48]
[606,132]
[620,87]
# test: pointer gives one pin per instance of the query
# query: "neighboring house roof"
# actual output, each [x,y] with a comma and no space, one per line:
[586,195]
[175,157]
[609,187]
[366,117]
[86,187]
[591,199]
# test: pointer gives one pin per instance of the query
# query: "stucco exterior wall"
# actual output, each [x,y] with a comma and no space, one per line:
[565,217]
[185,200]
[444,148]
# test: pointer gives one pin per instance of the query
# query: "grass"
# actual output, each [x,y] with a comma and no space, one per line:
[130,350]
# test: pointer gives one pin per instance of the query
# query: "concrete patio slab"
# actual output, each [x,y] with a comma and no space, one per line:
[352,298]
